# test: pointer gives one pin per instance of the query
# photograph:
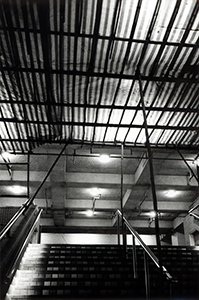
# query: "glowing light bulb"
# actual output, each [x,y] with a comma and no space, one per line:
[152,214]
[89,213]
[104,158]
[171,193]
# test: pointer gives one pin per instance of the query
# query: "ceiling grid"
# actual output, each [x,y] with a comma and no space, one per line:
[70,72]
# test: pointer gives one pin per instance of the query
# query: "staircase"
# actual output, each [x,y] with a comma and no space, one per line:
[100,271]
[68,271]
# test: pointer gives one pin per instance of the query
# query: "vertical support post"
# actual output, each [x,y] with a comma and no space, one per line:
[155,207]
[28,176]
[146,275]
[121,201]
[118,230]
[39,234]
[134,258]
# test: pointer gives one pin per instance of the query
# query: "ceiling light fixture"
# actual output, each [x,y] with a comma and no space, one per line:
[196,161]
[104,158]
[95,192]
[6,156]
[152,214]
[17,189]
[89,213]
[171,193]
[96,196]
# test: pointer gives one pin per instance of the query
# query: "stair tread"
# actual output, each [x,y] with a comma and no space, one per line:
[57,270]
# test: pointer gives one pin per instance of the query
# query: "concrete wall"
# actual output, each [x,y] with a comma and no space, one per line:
[89,238]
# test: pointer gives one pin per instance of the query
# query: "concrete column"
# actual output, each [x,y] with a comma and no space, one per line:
[58,191]
[191,225]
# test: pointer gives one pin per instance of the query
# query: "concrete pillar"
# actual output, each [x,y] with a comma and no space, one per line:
[178,239]
[58,191]
[191,226]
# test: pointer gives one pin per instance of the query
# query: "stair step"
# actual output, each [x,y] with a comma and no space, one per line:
[61,270]
[66,271]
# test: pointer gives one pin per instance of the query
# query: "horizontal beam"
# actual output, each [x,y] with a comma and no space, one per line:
[102,205]
[91,124]
[96,230]
[165,206]
[106,178]
[91,222]
[101,74]
[88,222]
[103,179]
[46,140]
[22,176]
[100,37]
[108,106]
[145,223]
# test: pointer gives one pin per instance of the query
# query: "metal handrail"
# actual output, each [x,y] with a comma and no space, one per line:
[194,215]
[144,246]
[30,200]
[12,269]
[12,221]
[13,257]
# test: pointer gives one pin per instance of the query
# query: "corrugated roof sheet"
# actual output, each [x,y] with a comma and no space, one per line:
[70,70]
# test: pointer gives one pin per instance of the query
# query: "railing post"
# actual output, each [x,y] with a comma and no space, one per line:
[146,274]
[151,255]
[118,229]
[121,202]
[134,258]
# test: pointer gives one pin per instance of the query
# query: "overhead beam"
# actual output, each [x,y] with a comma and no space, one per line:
[112,125]
[108,106]
[165,206]
[22,176]
[100,178]
[145,223]
[82,223]
[106,180]
[106,204]
[97,230]
[100,74]
[103,37]
[141,167]
[88,222]
[98,144]
[126,196]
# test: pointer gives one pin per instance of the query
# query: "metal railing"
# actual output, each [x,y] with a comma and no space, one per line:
[27,204]
[15,246]
[144,246]
[150,253]
[13,268]
[12,221]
